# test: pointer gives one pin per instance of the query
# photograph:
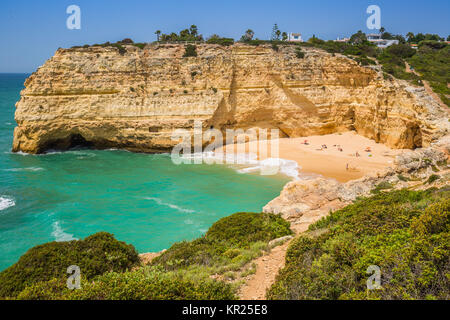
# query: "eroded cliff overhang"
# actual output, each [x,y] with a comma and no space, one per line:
[135,100]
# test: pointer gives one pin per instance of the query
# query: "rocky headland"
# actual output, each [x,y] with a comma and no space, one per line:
[135,99]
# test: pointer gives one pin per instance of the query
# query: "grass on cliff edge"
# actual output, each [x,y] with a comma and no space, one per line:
[182,272]
[405,233]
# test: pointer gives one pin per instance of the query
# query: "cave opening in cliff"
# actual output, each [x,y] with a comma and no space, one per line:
[78,141]
[73,141]
[416,134]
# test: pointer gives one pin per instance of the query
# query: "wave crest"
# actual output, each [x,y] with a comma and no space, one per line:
[173,206]
[60,235]
[6,202]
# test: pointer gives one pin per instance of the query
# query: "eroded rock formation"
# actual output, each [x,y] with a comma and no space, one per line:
[99,97]
[304,202]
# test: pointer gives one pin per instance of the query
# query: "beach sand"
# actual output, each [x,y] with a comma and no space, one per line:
[330,162]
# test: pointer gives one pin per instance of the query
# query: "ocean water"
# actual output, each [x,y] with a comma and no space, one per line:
[142,199]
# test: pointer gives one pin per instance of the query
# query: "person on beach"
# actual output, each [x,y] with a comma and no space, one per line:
[357,154]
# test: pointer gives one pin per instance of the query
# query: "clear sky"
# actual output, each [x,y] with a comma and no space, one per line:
[31,31]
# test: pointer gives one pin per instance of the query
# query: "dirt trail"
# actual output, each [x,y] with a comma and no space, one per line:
[267,266]
[427,87]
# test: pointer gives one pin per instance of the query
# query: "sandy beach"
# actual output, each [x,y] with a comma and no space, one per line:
[341,156]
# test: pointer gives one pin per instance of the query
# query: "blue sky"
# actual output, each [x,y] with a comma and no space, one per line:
[31,31]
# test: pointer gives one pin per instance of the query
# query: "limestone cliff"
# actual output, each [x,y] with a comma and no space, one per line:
[304,202]
[136,99]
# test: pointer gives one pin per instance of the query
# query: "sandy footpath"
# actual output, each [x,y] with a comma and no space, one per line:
[338,160]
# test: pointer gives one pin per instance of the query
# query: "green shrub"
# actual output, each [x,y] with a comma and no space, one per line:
[433,178]
[140,45]
[149,283]
[121,49]
[299,53]
[405,233]
[53,289]
[382,186]
[401,50]
[243,234]
[190,51]
[240,229]
[94,255]
[433,44]
[221,41]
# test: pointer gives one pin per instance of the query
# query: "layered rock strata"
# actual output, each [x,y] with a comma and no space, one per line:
[135,100]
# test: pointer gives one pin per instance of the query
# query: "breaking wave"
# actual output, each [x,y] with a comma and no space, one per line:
[270,166]
[32,169]
[60,235]
[173,206]
[6,202]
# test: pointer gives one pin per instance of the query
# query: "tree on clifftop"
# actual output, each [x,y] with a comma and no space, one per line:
[248,36]
[275,32]
[358,38]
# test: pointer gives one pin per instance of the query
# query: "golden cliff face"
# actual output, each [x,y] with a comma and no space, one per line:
[136,100]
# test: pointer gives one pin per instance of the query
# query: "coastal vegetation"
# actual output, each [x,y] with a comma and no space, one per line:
[95,255]
[198,269]
[405,233]
[190,51]
[431,60]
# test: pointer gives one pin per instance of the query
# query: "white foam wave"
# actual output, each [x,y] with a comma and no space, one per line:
[6,202]
[270,166]
[32,169]
[60,235]
[20,153]
[173,206]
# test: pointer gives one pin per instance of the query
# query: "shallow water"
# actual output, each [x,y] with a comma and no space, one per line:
[142,199]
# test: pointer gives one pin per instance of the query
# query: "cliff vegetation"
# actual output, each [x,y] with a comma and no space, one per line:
[200,269]
[405,233]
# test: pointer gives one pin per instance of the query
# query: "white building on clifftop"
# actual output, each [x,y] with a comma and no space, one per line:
[294,37]
[379,41]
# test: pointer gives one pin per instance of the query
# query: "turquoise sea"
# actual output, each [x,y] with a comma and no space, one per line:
[142,199]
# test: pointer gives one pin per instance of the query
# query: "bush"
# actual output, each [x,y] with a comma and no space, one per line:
[433,44]
[121,49]
[299,53]
[140,45]
[221,41]
[239,234]
[190,51]
[405,233]
[242,228]
[401,50]
[433,178]
[94,255]
[149,283]
[126,41]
